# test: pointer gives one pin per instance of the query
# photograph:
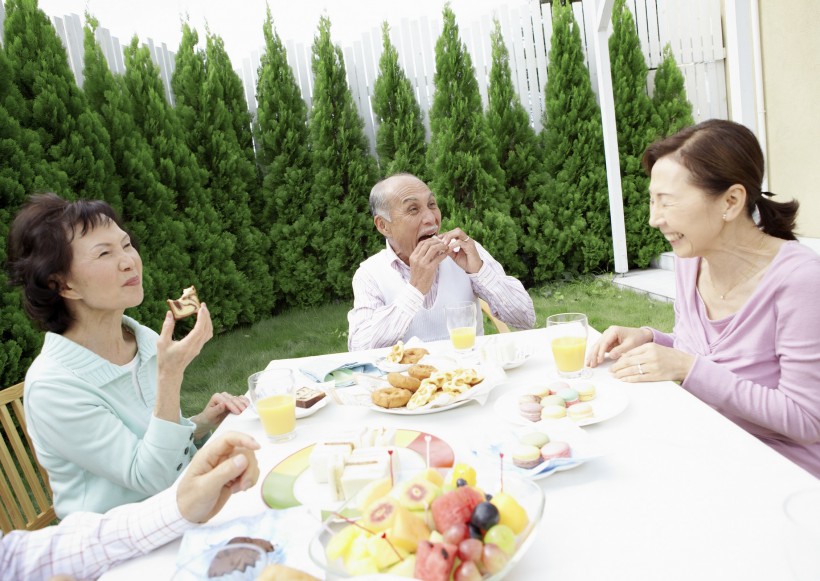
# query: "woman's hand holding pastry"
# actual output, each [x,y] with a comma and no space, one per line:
[173,357]
[653,362]
[616,341]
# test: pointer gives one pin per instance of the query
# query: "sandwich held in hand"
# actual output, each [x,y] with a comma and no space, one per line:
[186,305]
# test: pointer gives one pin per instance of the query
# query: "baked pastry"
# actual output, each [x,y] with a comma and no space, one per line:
[552,450]
[414,354]
[403,381]
[580,411]
[553,412]
[586,391]
[530,411]
[232,559]
[396,353]
[536,439]
[423,395]
[307,397]
[391,397]
[421,371]
[186,305]
[527,456]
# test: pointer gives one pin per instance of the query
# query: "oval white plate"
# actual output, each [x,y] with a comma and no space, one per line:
[390,367]
[610,400]
[522,358]
[403,411]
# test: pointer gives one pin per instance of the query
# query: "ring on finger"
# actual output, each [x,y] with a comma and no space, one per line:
[640,369]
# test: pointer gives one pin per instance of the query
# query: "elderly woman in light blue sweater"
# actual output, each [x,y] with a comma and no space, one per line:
[102,399]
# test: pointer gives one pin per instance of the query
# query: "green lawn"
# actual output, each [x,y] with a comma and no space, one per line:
[227,360]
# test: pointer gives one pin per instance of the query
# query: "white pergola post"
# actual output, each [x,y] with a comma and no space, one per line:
[613,166]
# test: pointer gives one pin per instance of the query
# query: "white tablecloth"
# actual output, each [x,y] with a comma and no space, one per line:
[678,493]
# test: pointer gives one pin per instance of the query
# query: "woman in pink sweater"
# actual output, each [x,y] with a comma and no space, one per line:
[747,315]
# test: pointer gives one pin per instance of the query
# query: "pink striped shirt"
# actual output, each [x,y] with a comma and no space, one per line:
[85,544]
[374,323]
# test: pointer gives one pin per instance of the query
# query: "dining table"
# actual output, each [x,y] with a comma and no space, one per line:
[674,490]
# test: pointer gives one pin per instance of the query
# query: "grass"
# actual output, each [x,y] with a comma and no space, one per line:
[227,360]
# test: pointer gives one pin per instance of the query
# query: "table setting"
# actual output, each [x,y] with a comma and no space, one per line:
[653,484]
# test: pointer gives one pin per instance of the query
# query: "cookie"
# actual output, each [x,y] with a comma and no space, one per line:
[414,354]
[423,395]
[390,397]
[186,305]
[307,397]
[403,381]
[396,353]
[420,371]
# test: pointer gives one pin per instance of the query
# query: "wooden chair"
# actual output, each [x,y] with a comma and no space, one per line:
[24,488]
[500,325]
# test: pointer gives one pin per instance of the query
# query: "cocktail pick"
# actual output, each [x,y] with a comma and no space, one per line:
[501,469]
[427,439]
[390,453]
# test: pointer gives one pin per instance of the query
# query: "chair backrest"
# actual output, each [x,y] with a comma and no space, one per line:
[500,325]
[24,489]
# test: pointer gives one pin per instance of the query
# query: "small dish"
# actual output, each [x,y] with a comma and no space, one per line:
[248,559]
[389,367]
[520,359]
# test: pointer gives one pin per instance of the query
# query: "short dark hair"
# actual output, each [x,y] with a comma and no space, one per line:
[39,252]
[720,154]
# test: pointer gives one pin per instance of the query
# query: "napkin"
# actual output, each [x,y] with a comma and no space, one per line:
[326,370]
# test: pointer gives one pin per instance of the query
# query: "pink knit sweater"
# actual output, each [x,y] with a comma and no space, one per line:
[761,366]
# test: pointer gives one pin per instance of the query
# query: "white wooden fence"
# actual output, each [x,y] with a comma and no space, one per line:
[691,27]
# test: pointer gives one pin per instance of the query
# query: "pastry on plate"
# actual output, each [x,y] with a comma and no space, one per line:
[401,381]
[307,397]
[390,397]
[580,411]
[527,456]
[554,449]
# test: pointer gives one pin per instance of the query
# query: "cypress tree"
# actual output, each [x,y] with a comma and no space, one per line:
[284,210]
[344,172]
[637,127]
[148,210]
[209,245]
[24,169]
[461,160]
[71,134]
[230,175]
[569,229]
[400,139]
[669,98]
[514,140]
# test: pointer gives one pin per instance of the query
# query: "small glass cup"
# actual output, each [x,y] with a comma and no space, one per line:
[802,536]
[568,340]
[272,395]
[461,324]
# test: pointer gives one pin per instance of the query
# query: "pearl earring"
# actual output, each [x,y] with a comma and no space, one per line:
[724,216]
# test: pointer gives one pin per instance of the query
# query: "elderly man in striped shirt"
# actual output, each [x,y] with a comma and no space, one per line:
[401,291]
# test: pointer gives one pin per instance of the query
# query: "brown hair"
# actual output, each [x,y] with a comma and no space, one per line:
[720,154]
[39,252]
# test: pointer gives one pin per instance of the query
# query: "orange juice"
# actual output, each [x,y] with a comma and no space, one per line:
[278,414]
[463,338]
[569,353]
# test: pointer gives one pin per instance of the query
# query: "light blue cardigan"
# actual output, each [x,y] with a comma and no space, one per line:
[94,433]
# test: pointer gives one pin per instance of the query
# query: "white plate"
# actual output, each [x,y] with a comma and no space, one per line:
[305,412]
[420,411]
[610,400]
[580,443]
[390,367]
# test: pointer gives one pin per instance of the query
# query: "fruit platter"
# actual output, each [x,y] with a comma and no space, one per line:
[432,524]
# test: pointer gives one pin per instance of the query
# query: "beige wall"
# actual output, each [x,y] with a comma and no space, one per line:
[790,44]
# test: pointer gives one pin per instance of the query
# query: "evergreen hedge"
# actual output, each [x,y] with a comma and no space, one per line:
[268,213]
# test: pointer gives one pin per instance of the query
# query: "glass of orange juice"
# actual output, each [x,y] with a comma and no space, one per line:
[461,324]
[568,339]
[272,395]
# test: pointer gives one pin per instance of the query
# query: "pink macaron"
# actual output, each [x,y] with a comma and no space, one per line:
[530,411]
[555,450]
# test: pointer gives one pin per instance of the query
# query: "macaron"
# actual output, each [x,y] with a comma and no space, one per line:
[529,398]
[530,411]
[536,439]
[552,450]
[557,385]
[553,412]
[586,391]
[580,411]
[526,456]
[539,390]
[569,395]
[553,400]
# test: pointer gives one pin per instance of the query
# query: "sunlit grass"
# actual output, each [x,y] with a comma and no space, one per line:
[227,360]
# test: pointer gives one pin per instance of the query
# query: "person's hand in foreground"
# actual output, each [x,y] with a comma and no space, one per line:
[220,405]
[226,465]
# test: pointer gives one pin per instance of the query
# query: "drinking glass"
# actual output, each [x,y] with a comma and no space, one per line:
[568,340]
[802,536]
[461,324]
[272,395]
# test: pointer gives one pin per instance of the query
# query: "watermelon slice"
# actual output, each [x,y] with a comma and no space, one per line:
[455,507]
[434,561]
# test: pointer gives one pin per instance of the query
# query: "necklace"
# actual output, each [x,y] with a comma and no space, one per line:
[742,281]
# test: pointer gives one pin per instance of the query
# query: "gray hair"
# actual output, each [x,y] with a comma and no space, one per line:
[380,200]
